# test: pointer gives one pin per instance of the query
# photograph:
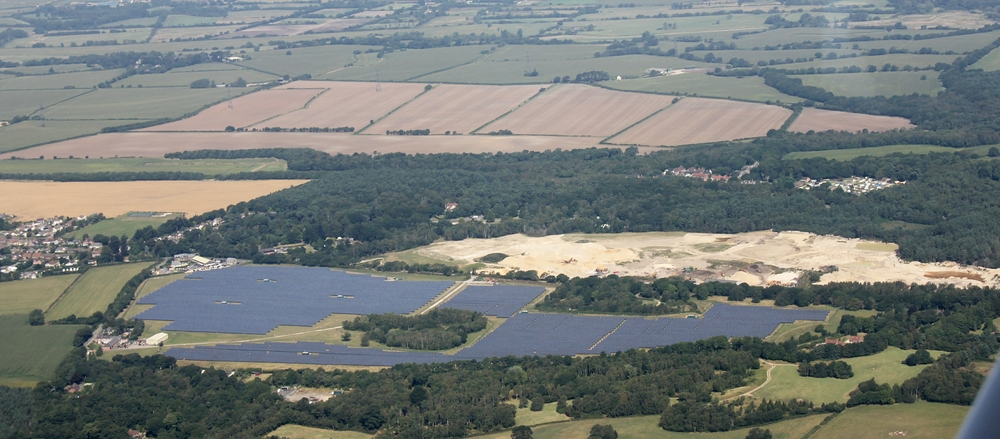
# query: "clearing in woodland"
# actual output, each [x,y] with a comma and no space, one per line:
[455,108]
[694,120]
[246,110]
[44,199]
[580,110]
[813,119]
[345,104]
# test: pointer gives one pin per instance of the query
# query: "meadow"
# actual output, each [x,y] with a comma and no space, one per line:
[315,61]
[645,427]
[878,151]
[25,102]
[875,84]
[885,367]
[31,353]
[138,103]
[23,296]
[38,132]
[409,65]
[990,62]
[94,290]
[184,79]
[60,81]
[750,88]
[922,420]
[292,431]
[120,225]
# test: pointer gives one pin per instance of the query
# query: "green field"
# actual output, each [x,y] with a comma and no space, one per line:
[37,132]
[94,290]
[404,65]
[315,61]
[184,79]
[84,80]
[548,414]
[138,103]
[81,165]
[959,44]
[875,84]
[645,427]
[31,353]
[118,226]
[922,420]
[885,367]
[22,296]
[879,151]
[26,102]
[292,431]
[748,88]
[990,62]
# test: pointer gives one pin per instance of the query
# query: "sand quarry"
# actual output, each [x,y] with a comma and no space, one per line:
[755,258]
[44,199]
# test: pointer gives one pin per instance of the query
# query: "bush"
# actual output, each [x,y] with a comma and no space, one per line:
[36,318]
[921,356]
[521,432]
[537,404]
[602,432]
[756,433]
[202,83]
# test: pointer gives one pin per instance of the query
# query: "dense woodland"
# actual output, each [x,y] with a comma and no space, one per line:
[439,329]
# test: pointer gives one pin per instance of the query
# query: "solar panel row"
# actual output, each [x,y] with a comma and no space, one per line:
[528,334]
[497,300]
[256,299]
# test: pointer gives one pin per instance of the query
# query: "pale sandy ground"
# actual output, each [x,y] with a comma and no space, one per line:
[754,258]
[43,199]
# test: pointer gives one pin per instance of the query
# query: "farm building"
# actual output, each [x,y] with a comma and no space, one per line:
[157,338]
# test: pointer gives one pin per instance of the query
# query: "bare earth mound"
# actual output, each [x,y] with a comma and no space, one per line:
[460,108]
[695,120]
[138,144]
[755,258]
[580,110]
[344,104]
[42,199]
[813,119]
[247,110]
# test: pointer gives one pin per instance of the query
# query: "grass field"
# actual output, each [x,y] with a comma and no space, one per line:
[81,165]
[747,89]
[548,414]
[22,296]
[31,353]
[875,84]
[795,330]
[879,151]
[120,225]
[26,102]
[35,132]
[94,290]
[404,65]
[989,63]
[184,79]
[315,61]
[138,103]
[292,431]
[885,367]
[84,80]
[645,427]
[920,420]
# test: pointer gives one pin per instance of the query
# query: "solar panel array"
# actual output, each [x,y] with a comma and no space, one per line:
[497,300]
[528,334]
[256,299]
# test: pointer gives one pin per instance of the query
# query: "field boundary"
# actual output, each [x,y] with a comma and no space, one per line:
[63,294]
[64,100]
[304,106]
[480,58]
[791,119]
[426,90]
[518,107]
[607,140]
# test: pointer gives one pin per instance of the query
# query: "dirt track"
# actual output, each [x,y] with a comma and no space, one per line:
[754,258]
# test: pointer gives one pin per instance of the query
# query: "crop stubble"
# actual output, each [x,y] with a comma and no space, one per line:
[247,110]
[695,120]
[352,104]
[580,110]
[813,119]
[460,108]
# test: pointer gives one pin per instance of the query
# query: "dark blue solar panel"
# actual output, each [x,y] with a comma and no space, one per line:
[269,296]
[528,334]
[497,300]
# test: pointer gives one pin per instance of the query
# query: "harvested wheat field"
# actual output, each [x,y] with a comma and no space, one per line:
[697,120]
[461,108]
[247,110]
[42,199]
[580,110]
[755,258]
[138,144]
[812,119]
[345,104]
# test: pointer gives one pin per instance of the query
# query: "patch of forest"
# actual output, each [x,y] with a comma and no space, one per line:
[439,329]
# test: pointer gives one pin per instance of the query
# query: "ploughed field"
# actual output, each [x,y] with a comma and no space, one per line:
[255,300]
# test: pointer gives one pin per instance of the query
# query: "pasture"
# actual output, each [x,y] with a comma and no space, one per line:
[37,132]
[246,110]
[23,296]
[121,225]
[877,151]
[292,431]
[137,103]
[80,80]
[81,165]
[989,63]
[645,427]
[813,119]
[94,290]
[750,88]
[405,65]
[184,79]
[315,61]
[455,108]
[696,120]
[579,110]
[885,367]
[921,420]
[26,102]
[42,199]
[876,84]
[32,353]
[350,104]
